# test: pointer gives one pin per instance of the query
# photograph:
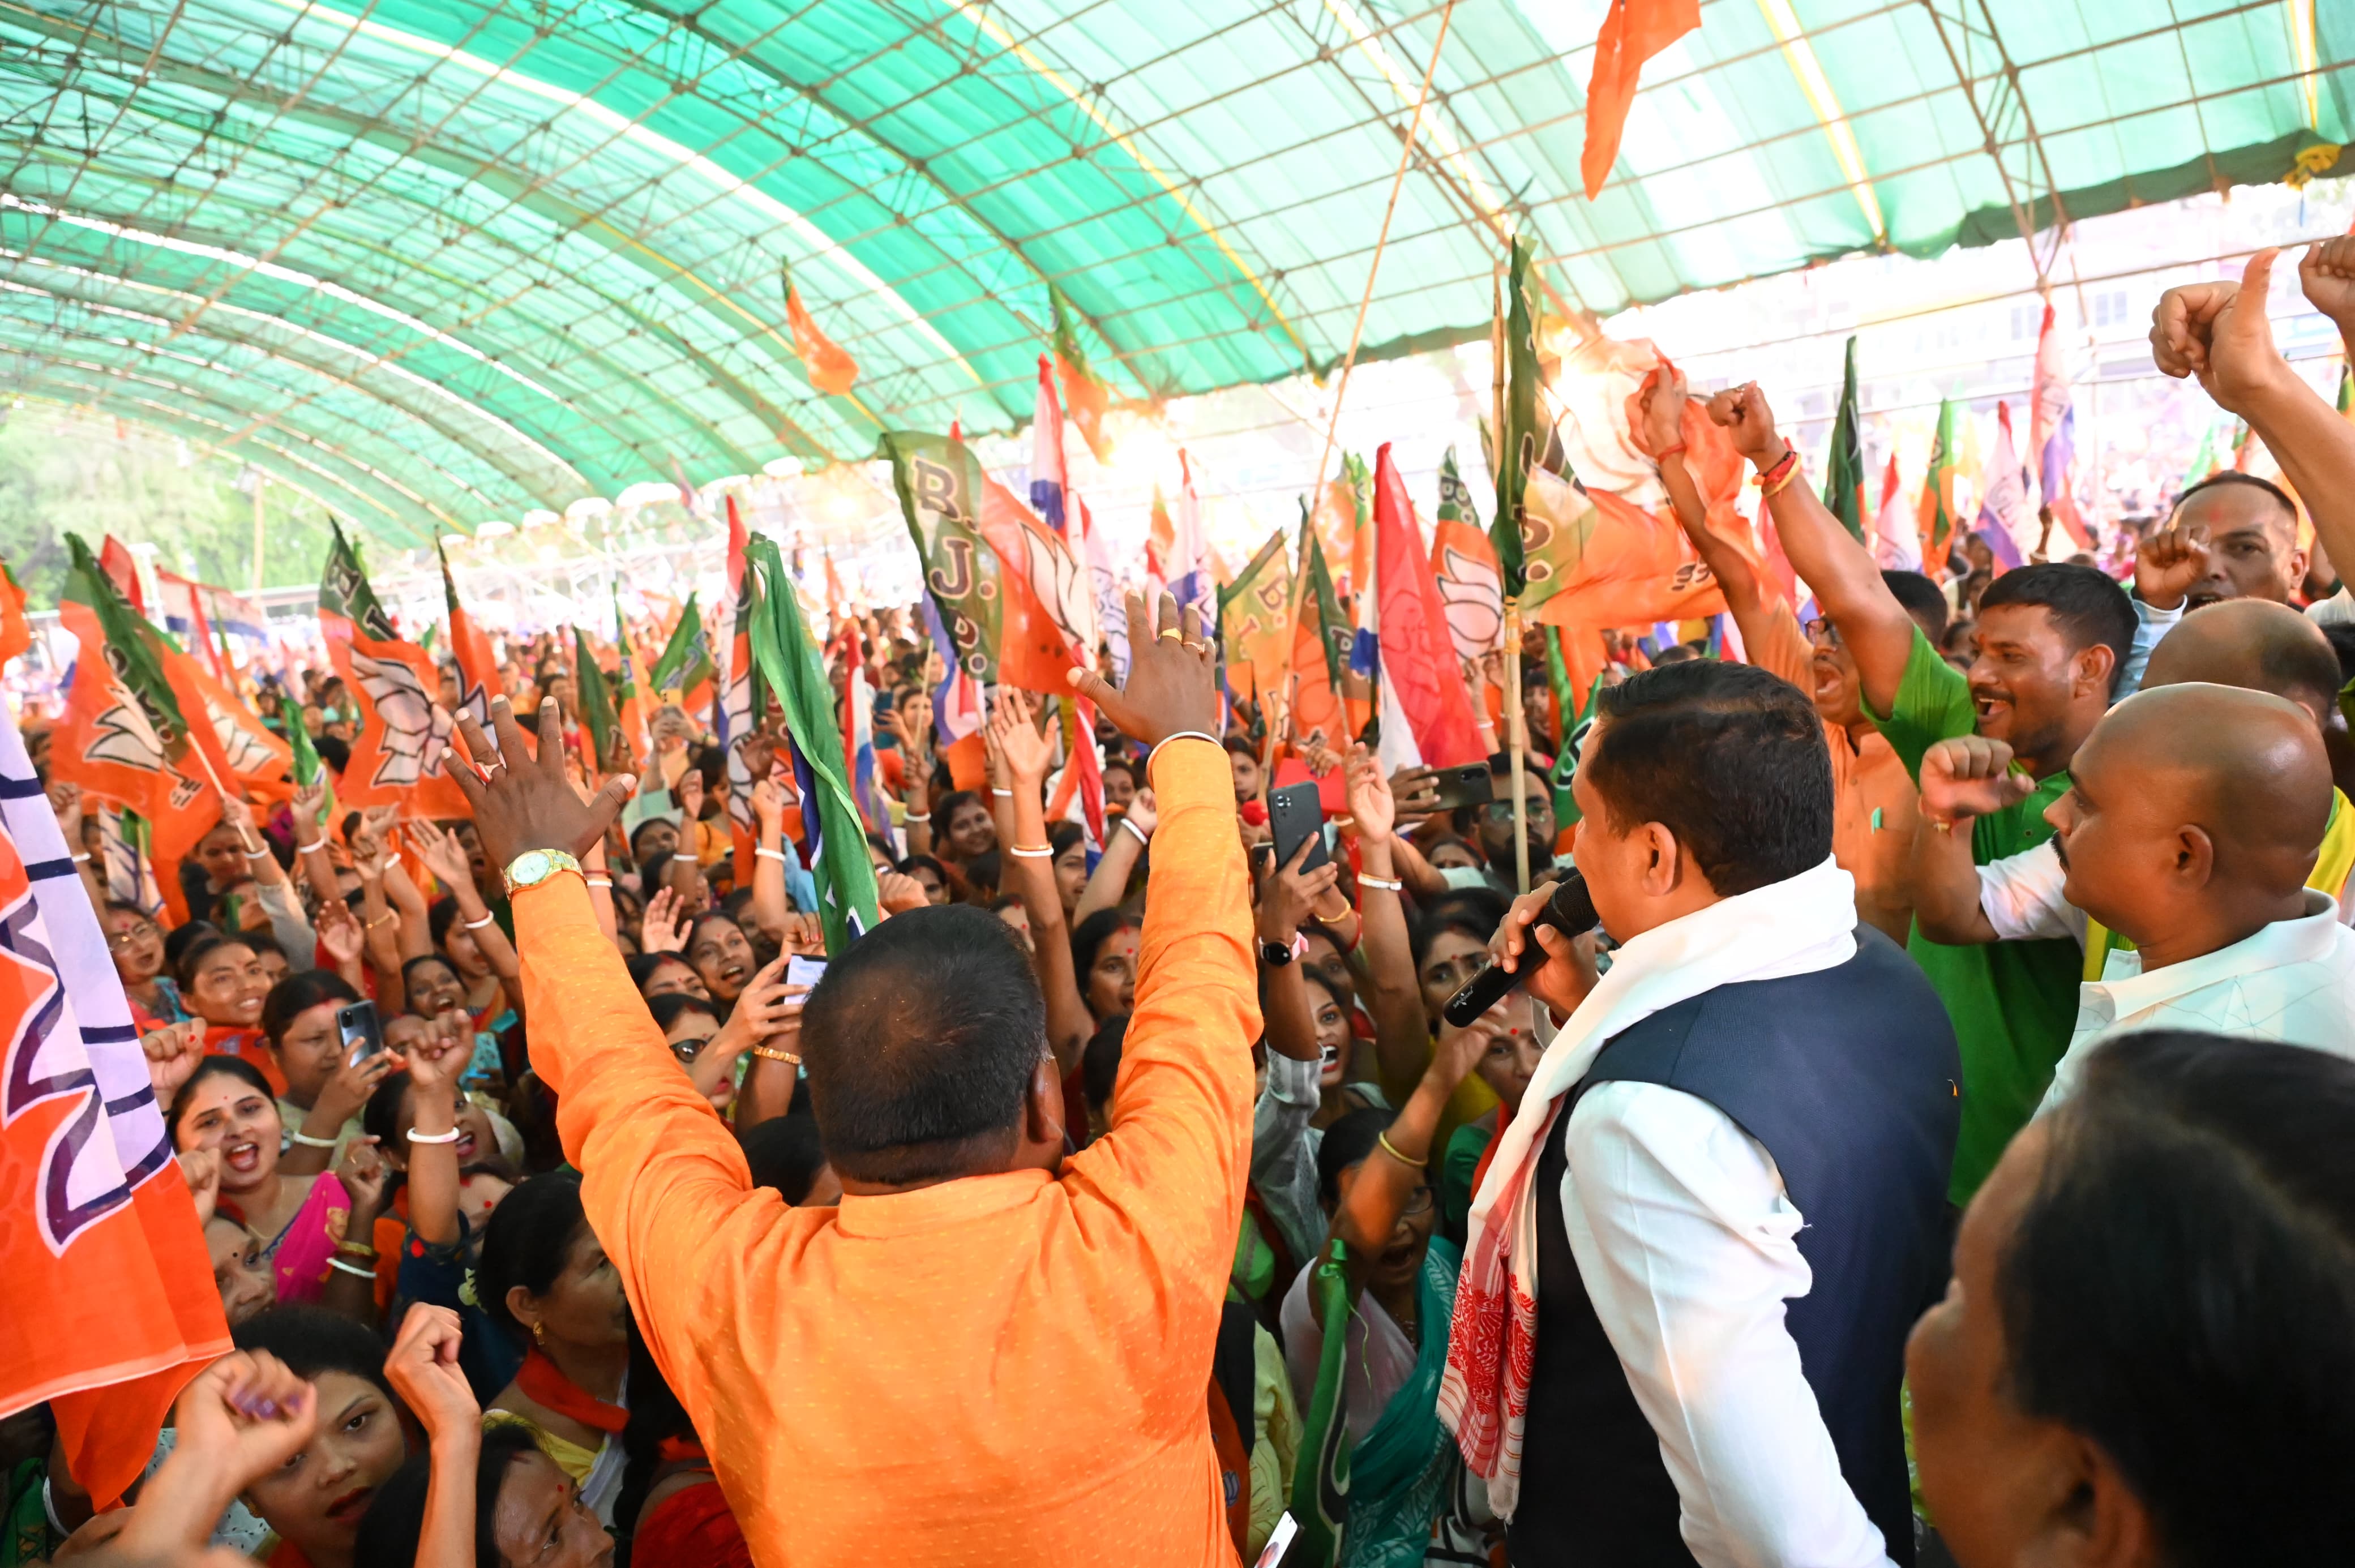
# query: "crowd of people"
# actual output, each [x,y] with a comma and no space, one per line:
[1936,1151]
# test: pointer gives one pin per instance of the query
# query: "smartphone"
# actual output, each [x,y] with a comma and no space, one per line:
[362,1031]
[1293,816]
[1278,1539]
[1467,785]
[801,971]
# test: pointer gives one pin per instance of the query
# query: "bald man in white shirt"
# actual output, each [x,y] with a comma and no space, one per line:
[2192,823]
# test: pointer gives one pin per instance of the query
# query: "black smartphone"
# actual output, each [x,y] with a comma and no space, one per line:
[1467,785]
[362,1031]
[1293,816]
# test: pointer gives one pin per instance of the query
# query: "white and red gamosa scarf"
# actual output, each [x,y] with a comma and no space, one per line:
[1797,926]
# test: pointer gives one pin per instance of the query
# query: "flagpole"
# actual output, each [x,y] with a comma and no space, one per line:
[1517,743]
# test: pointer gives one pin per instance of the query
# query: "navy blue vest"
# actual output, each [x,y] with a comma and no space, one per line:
[1849,1077]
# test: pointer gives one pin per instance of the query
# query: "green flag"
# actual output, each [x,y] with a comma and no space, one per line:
[1844,468]
[594,696]
[1521,444]
[781,646]
[625,686]
[1454,501]
[685,662]
[1320,1483]
[344,591]
[1565,760]
[307,767]
[1936,519]
[1319,596]
[131,644]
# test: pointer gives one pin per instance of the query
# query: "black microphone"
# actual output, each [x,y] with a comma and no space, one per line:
[1569,910]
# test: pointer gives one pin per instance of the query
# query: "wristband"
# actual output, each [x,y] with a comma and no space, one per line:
[452,1136]
[915,817]
[307,1141]
[1769,492]
[1180,735]
[478,925]
[352,1269]
[1001,794]
[1778,469]
[594,881]
[765,853]
[1031,852]
[261,854]
[1141,836]
[1388,884]
[311,849]
[81,859]
[1391,1149]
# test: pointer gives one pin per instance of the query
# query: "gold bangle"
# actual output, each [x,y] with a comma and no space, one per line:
[386,919]
[771,1053]
[1776,488]
[1390,1149]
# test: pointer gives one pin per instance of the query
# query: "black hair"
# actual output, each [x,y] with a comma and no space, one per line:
[1477,912]
[1730,759]
[1122,763]
[651,869]
[670,1004]
[298,994]
[1241,746]
[919,1042]
[656,1416]
[2091,610]
[1100,1062]
[206,939]
[1346,1142]
[1092,934]
[984,870]
[380,1118]
[409,968]
[311,1340]
[528,1237]
[394,1525]
[236,1066]
[947,807]
[2196,1213]
[263,942]
[785,1153]
[909,865]
[1061,836]
[656,820]
[334,751]
[125,906]
[1923,599]
[441,918]
[641,966]
[2234,477]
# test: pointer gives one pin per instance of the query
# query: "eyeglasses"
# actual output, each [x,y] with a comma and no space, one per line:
[1418,1202]
[687,1050]
[120,940]
[1533,804]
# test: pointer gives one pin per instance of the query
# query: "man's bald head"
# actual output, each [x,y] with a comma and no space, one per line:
[2254,643]
[2194,808]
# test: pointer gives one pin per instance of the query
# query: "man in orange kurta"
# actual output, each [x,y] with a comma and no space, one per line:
[998,1369]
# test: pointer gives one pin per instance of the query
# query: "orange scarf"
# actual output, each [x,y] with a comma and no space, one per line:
[544,1384]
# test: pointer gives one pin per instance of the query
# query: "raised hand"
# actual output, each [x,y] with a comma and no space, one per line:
[309,800]
[1969,777]
[347,1091]
[896,892]
[365,1176]
[2327,273]
[1142,812]
[1014,736]
[1371,805]
[1743,412]
[1414,794]
[1287,895]
[172,1054]
[441,851]
[691,799]
[65,800]
[239,1419]
[423,1370]
[2169,564]
[769,1006]
[769,806]
[804,934]
[1664,408]
[1564,968]
[1171,688]
[442,1052]
[238,815]
[663,929]
[339,933]
[201,1167]
[522,803]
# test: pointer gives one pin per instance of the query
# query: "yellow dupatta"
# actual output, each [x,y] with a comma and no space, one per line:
[2331,867]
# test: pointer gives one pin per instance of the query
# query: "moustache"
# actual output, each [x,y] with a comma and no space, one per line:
[2061,850]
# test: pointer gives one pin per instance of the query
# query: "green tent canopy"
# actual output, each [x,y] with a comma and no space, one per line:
[442,262]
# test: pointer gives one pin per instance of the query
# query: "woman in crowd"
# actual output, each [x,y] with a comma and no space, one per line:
[1506,1067]
[962,828]
[306,1225]
[545,1282]
[722,955]
[315,1503]
[221,981]
[328,1082]
[929,875]
[137,944]
[705,1047]
[660,973]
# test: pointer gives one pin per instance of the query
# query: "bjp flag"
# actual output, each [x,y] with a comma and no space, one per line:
[404,729]
[98,1228]
[15,632]
[829,367]
[231,736]
[125,738]
[1255,621]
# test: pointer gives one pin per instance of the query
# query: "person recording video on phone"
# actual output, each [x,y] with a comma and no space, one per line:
[1701,1242]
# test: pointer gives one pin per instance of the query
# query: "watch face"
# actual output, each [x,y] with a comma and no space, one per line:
[531,866]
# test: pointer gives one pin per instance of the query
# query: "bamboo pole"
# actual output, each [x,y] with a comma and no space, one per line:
[1517,743]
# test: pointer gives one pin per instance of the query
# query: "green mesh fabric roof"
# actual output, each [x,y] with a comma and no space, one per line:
[440,261]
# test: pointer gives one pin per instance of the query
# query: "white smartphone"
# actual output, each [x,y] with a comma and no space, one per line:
[801,971]
[1286,1527]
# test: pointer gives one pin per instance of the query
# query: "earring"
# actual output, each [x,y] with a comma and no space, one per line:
[539,1333]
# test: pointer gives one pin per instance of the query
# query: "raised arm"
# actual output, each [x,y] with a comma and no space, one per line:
[771,907]
[1838,568]
[1745,599]
[1108,883]
[1962,779]
[1287,895]
[912,722]
[661,1175]
[1019,756]
[1393,1000]
[423,1370]
[1368,1214]
[65,799]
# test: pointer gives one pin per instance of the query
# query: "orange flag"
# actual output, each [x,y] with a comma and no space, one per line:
[1633,32]
[397,761]
[15,632]
[831,370]
[98,1228]
[232,737]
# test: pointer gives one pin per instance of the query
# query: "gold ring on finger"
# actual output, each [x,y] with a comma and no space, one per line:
[1174,635]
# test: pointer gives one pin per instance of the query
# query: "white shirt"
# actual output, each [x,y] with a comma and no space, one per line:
[1686,1245]
[2292,981]
[2022,898]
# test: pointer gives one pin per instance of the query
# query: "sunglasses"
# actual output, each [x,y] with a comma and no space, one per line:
[687,1050]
